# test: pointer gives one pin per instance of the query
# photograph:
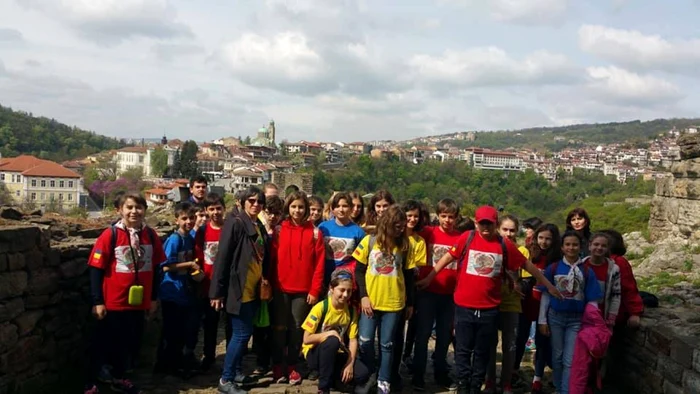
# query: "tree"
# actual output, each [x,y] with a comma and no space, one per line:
[159,162]
[246,141]
[176,170]
[188,160]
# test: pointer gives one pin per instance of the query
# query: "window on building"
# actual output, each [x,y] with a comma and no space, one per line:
[33,182]
[60,196]
[17,193]
[43,196]
[61,184]
[19,178]
[51,197]
[13,178]
[33,196]
[52,183]
[70,184]
[43,183]
[70,197]
[2,177]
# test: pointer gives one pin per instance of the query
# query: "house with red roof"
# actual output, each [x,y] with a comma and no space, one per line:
[30,179]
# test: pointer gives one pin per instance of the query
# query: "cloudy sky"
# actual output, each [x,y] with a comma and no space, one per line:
[345,70]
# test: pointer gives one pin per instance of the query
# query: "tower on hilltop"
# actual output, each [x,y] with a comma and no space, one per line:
[164,140]
[271,129]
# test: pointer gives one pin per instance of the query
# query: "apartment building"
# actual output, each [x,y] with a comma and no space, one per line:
[42,182]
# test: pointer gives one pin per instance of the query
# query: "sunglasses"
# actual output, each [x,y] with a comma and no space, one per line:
[253,201]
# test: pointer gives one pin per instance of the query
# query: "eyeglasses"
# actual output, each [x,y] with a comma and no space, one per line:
[253,201]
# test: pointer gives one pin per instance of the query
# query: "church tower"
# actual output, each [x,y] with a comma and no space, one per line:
[271,129]
[164,140]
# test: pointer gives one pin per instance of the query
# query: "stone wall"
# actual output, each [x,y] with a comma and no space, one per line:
[663,356]
[44,311]
[675,210]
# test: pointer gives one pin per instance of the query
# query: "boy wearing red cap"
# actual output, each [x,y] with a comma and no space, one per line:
[484,258]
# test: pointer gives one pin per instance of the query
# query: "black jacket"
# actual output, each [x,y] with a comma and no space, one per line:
[235,255]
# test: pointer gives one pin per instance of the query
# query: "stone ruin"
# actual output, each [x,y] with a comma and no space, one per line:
[675,210]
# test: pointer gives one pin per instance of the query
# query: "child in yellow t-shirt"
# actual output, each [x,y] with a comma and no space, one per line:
[330,336]
[384,276]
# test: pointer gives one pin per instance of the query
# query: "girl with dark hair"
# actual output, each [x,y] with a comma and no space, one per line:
[530,225]
[632,306]
[316,208]
[578,220]
[561,319]
[358,208]
[545,249]
[330,337]
[240,271]
[378,204]
[384,275]
[298,264]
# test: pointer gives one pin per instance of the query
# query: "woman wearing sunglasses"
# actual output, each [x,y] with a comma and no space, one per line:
[239,275]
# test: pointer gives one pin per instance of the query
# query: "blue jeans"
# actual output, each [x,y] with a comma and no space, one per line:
[564,327]
[543,354]
[438,309]
[242,326]
[367,328]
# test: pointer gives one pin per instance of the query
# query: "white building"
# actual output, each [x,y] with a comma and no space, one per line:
[495,160]
[140,157]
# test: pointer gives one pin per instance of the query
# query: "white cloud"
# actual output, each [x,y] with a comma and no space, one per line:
[638,51]
[613,84]
[491,66]
[112,21]
[10,35]
[530,12]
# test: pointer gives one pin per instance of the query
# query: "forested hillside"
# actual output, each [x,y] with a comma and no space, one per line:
[524,194]
[635,133]
[23,133]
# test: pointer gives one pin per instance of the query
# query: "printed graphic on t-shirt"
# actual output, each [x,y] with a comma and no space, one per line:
[210,251]
[381,264]
[125,258]
[562,283]
[438,252]
[484,264]
[183,256]
[339,249]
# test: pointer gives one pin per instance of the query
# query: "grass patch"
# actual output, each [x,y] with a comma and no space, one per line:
[646,252]
[688,265]
[662,280]
[695,249]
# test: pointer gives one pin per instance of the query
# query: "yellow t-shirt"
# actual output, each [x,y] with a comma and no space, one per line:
[385,283]
[510,300]
[418,249]
[250,290]
[338,319]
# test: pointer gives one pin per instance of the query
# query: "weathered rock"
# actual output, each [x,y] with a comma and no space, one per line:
[73,268]
[3,262]
[27,321]
[15,261]
[36,212]
[686,168]
[689,145]
[688,188]
[43,281]
[10,213]
[8,336]
[12,284]
[90,233]
[11,309]
[22,356]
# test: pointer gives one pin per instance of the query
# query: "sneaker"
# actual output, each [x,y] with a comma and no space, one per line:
[207,362]
[536,387]
[244,380]
[489,387]
[105,375]
[383,387]
[278,375]
[230,388]
[418,384]
[294,378]
[313,375]
[460,387]
[91,389]
[445,381]
[507,389]
[259,371]
[124,386]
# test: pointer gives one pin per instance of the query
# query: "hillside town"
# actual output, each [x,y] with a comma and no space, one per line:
[234,165]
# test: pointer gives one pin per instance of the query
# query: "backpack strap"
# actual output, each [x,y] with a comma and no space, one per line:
[324,311]
[113,239]
[504,249]
[371,242]
[470,238]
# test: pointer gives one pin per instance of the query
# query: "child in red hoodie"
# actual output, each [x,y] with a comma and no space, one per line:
[298,267]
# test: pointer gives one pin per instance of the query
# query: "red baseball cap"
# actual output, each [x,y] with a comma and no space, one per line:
[486,212]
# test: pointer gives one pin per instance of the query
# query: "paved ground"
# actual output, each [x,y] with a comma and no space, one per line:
[206,383]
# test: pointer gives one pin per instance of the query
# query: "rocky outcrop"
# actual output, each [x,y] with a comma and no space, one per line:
[675,210]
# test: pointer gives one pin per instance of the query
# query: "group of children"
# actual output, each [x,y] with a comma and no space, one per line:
[325,282]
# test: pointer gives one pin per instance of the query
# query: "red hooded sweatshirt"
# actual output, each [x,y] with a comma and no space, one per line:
[299,258]
[631,304]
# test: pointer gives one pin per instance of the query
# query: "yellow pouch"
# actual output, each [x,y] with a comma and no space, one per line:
[135,295]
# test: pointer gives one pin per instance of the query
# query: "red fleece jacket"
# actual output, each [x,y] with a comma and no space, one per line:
[631,304]
[298,259]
